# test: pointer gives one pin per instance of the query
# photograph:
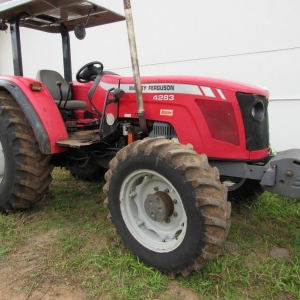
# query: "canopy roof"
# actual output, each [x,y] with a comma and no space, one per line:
[46,15]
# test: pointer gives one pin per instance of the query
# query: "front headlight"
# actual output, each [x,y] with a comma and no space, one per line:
[258,111]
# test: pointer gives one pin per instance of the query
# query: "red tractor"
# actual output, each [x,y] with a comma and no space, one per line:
[171,146]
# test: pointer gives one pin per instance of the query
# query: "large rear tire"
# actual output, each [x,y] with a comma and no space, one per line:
[167,204]
[25,172]
[89,172]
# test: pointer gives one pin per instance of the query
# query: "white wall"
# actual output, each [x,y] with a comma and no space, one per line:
[254,41]
[6,66]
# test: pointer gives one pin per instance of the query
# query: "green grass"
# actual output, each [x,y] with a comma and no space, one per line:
[67,242]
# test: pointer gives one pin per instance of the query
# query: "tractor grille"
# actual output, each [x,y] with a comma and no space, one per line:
[254,110]
[163,129]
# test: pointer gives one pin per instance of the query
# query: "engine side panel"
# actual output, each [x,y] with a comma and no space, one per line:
[203,113]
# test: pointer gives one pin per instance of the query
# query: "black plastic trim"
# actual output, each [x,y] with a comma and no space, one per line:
[256,131]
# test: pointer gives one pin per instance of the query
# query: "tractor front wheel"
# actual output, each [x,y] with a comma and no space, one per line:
[167,204]
[25,172]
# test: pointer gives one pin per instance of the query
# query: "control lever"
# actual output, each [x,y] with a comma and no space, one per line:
[58,83]
[69,93]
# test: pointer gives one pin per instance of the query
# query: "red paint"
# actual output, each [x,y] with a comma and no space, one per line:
[188,113]
[189,121]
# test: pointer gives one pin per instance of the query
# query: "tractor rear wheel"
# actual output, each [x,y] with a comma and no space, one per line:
[25,172]
[167,204]
[89,172]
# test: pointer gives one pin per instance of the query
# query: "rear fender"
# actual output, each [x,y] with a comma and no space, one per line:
[40,111]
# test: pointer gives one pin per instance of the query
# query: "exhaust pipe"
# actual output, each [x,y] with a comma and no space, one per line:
[135,67]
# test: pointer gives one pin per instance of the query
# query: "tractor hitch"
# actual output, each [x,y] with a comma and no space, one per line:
[285,169]
[279,174]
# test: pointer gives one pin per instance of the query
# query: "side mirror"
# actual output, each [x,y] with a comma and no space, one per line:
[79,29]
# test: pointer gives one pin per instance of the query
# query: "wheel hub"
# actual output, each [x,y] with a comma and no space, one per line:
[159,206]
[153,211]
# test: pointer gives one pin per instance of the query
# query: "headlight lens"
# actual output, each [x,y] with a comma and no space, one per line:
[258,111]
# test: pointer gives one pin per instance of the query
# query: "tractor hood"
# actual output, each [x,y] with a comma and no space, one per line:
[184,84]
[46,15]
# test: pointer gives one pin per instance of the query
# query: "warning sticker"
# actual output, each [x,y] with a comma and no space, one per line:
[110,119]
[166,112]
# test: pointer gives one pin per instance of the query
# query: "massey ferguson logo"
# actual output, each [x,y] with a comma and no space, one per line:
[155,87]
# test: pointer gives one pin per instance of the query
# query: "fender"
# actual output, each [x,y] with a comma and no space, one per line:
[40,111]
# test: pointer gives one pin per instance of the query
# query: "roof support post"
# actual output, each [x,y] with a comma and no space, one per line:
[66,48]
[16,44]
[135,66]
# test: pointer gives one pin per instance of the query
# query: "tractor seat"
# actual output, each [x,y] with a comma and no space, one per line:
[49,78]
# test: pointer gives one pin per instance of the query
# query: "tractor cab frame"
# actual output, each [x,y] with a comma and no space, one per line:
[62,17]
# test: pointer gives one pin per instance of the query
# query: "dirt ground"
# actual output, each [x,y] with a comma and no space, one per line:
[20,266]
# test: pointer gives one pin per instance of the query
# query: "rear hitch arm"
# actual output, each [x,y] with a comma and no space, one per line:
[280,175]
[286,165]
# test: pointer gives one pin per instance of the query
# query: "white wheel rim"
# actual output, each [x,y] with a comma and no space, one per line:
[233,185]
[2,162]
[164,236]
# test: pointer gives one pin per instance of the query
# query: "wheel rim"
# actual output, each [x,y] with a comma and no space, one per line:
[2,162]
[233,183]
[153,211]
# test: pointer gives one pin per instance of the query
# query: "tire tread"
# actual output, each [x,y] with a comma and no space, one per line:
[31,165]
[210,194]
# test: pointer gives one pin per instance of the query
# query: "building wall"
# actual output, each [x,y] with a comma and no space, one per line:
[252,41]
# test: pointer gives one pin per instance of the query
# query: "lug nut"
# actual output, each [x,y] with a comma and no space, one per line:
[132,195]
[289,173]
[175,214]
[174,201]
[156,188]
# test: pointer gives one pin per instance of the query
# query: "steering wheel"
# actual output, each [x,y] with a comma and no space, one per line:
[89,72]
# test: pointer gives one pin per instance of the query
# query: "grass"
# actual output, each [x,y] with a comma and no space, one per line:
[66,245]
